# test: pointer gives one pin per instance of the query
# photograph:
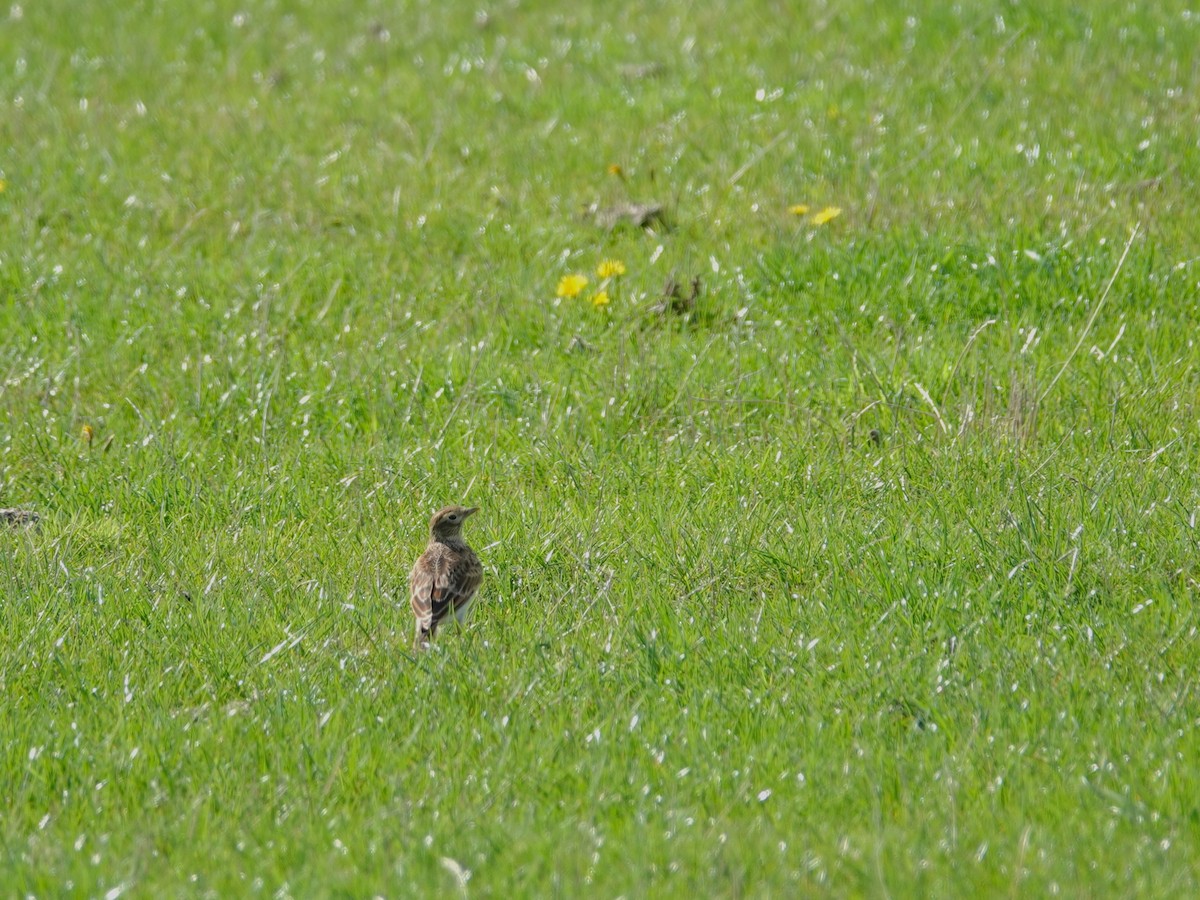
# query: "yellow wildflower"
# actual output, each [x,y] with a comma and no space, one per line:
[615,169]
[600,299]
[571,285]
[88,433]
[828,214]
[610,268]
[800,209]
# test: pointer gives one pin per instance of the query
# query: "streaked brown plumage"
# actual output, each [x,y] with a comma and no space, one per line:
[19,518]
[446,576]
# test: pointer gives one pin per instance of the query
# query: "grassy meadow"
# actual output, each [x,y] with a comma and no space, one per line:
[870,570]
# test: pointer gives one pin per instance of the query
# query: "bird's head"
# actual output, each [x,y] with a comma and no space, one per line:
[448,522]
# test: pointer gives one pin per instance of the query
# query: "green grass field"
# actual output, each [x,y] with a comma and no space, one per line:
[872,573]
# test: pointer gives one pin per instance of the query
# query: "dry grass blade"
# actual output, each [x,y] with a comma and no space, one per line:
[1092,318]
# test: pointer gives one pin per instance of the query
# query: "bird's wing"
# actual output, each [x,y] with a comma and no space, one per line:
[430,569]
[440,583]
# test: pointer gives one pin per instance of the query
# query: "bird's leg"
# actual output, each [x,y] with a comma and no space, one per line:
[422,638]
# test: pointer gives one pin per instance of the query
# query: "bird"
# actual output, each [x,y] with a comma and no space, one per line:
[446,576]
[19,518]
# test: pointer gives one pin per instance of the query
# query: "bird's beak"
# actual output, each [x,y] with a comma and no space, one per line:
[470,512]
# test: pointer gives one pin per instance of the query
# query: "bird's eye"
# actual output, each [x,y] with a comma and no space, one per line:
[453,517]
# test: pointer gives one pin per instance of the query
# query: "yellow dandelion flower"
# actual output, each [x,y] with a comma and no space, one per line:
[600,299]
[828,214]
[571,285]
[88,433]
[800,209]
[610,268]
[615,169]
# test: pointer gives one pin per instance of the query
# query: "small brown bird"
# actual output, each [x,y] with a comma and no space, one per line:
[446,576]
[19,518]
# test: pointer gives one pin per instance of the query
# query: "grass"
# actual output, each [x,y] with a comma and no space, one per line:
[873,574]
